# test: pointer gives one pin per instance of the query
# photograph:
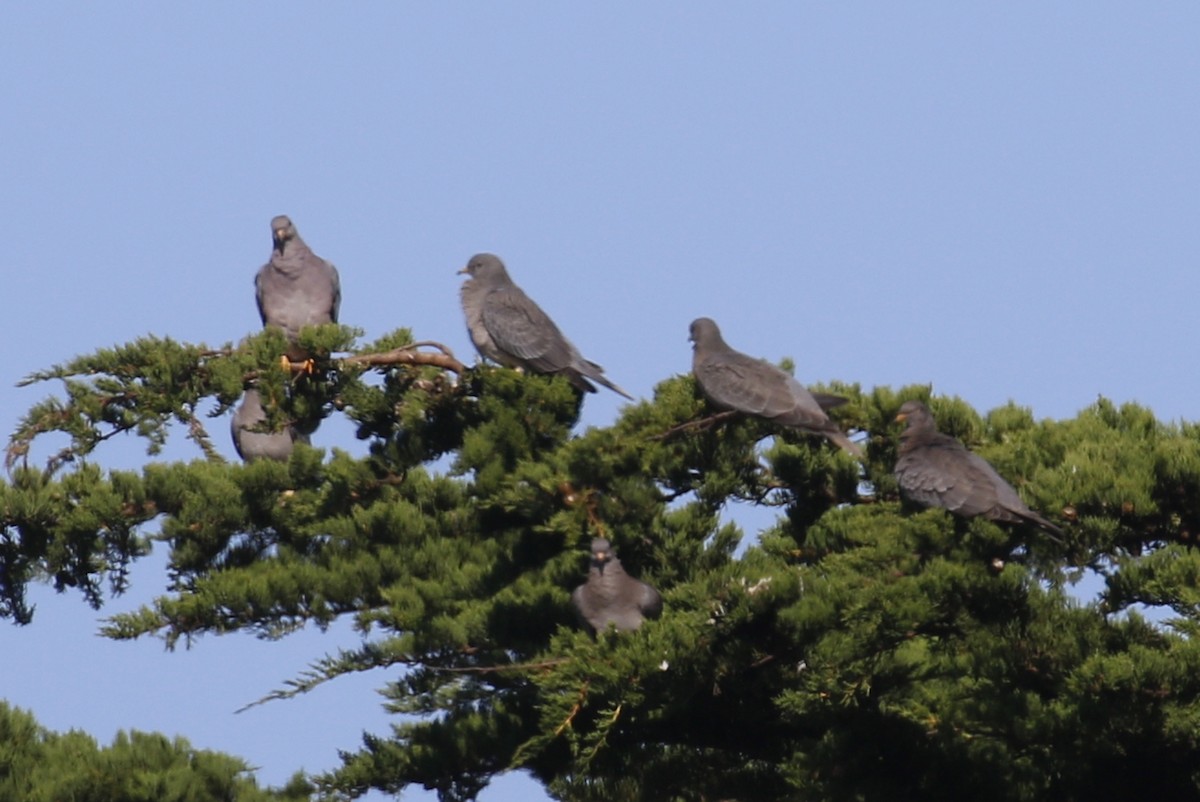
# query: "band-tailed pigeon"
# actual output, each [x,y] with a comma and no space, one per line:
[252,444]
[296,288]
[936,470]
[507,327]
[611,596]
[733,380]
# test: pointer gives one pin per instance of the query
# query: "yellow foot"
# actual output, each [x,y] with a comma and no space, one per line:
[307,366]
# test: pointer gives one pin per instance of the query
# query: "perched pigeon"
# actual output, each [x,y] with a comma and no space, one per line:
[252,444]
[936,470]
[733,380]
[509,328]
[611,596]
[296,288]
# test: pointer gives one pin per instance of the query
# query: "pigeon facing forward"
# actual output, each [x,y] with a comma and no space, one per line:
[506,326]
[251,444]
[296,288]
[936,470]
[611,596]
[733,380]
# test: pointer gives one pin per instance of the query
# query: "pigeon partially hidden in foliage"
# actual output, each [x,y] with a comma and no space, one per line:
[733,380]
[252,444]
[611,596]
[507,327]
[296,288]
[936,470]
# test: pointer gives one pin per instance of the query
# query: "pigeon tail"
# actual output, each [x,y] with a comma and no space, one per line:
[1034,518]
[610,385]
[828,401]
[839,439]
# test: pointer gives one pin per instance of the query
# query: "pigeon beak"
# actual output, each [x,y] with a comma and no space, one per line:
[901,416]
[462,272]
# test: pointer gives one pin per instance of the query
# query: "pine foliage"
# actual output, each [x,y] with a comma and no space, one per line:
[855,649]
[37,765]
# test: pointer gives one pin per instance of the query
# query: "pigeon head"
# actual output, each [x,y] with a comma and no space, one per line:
[916,415]
[704,333]
[485,267]
[602,553]
[282,231]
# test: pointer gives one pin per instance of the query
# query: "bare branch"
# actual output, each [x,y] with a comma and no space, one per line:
[494,669]
[700,424]
[408,355]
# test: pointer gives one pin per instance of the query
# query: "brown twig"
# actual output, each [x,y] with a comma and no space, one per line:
[20,450]
[588,498]
[699,424]
[583,692]
[495,669]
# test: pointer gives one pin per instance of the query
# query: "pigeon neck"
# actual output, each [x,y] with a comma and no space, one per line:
[609,567]
[917,434]
[252,405]
[471,285]
[290,258]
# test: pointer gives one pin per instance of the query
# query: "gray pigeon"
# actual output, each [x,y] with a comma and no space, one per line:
[611,596]
[936,470]
[733,380]
[296,288]
[251,444]
[509,328]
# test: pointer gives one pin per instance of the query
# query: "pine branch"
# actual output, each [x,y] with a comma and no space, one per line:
[141,386]
[198,434]
[370,656]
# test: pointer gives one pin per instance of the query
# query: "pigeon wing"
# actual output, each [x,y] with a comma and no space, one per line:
[521,330]
[943,473]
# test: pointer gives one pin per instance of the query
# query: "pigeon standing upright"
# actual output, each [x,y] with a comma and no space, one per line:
[611,596]
[296,288]
[936,470]
[252,444]
[506,326]
[733,380]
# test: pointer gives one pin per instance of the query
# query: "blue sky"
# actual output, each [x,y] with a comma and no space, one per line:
[999,200]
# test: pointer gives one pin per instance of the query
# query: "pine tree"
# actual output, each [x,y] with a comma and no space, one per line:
[856,649]
[41,766]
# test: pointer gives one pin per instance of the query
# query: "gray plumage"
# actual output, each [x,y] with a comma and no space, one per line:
[296,288]
[252,444]
[733,380]
[936,470]
[611,596]
[507,327]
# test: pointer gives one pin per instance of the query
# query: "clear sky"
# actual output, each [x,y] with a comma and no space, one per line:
[1000,199]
